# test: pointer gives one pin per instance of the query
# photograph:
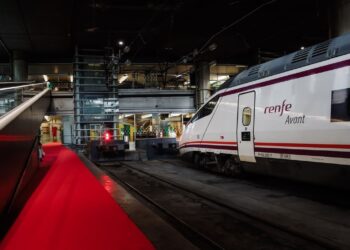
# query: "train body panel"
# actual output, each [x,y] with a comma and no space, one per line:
[220,136]
[295,118]
[300,117]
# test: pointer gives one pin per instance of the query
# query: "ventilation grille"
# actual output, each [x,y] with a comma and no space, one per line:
[301,55]
[321,48]
[254,70]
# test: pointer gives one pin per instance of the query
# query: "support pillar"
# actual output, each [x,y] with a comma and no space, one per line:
[20,66]
[156,124]
[135,128]
[203,87]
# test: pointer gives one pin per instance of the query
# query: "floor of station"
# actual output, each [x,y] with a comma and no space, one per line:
[319,214]
[77,205]
[71,210]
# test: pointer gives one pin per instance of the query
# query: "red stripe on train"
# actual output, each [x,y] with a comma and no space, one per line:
[302,145]
[223,147]
[324,153]
[209,142]
[276,144]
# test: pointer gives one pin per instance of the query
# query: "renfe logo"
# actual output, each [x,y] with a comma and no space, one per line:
[279,109]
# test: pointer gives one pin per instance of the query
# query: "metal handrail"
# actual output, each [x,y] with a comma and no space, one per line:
[22,86]
[14,113]
[25,82]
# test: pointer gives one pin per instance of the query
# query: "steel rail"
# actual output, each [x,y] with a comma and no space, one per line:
[235,209]
[200,239]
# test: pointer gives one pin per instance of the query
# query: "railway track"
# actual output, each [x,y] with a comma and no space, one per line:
[200,240]
[205,222]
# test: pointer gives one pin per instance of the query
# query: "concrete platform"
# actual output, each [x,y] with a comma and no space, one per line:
[310,219]
[71,210]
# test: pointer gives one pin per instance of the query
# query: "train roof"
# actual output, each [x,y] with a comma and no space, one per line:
[320,52]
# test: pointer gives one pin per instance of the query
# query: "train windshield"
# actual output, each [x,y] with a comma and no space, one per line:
[206,110]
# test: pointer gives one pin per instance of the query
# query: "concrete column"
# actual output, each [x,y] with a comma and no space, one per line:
[156,123]
[342,17]
[19,66]
[135,128]
[68,123]
[202,80]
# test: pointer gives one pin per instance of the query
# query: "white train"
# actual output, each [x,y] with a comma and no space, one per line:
[289,117]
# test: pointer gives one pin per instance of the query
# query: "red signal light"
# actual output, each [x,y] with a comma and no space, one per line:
[107,136]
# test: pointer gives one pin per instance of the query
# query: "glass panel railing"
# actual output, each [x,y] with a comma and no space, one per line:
[11,97]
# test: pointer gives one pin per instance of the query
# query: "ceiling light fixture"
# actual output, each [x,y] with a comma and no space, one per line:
[223,77]
[123,78]
[146,116]
[92,29]
[174,114]
[212,46]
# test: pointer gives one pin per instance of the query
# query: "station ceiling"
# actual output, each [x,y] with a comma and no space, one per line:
[163,30]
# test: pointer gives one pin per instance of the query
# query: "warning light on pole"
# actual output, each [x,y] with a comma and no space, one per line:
[107,136]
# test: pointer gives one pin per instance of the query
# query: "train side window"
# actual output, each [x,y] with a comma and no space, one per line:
[340,109]
[246,116]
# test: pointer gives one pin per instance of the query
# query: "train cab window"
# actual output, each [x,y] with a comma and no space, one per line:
[246,116]
[194,118]
[206,110]
[340,109]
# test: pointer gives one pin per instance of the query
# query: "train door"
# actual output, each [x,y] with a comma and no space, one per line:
[245,126]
